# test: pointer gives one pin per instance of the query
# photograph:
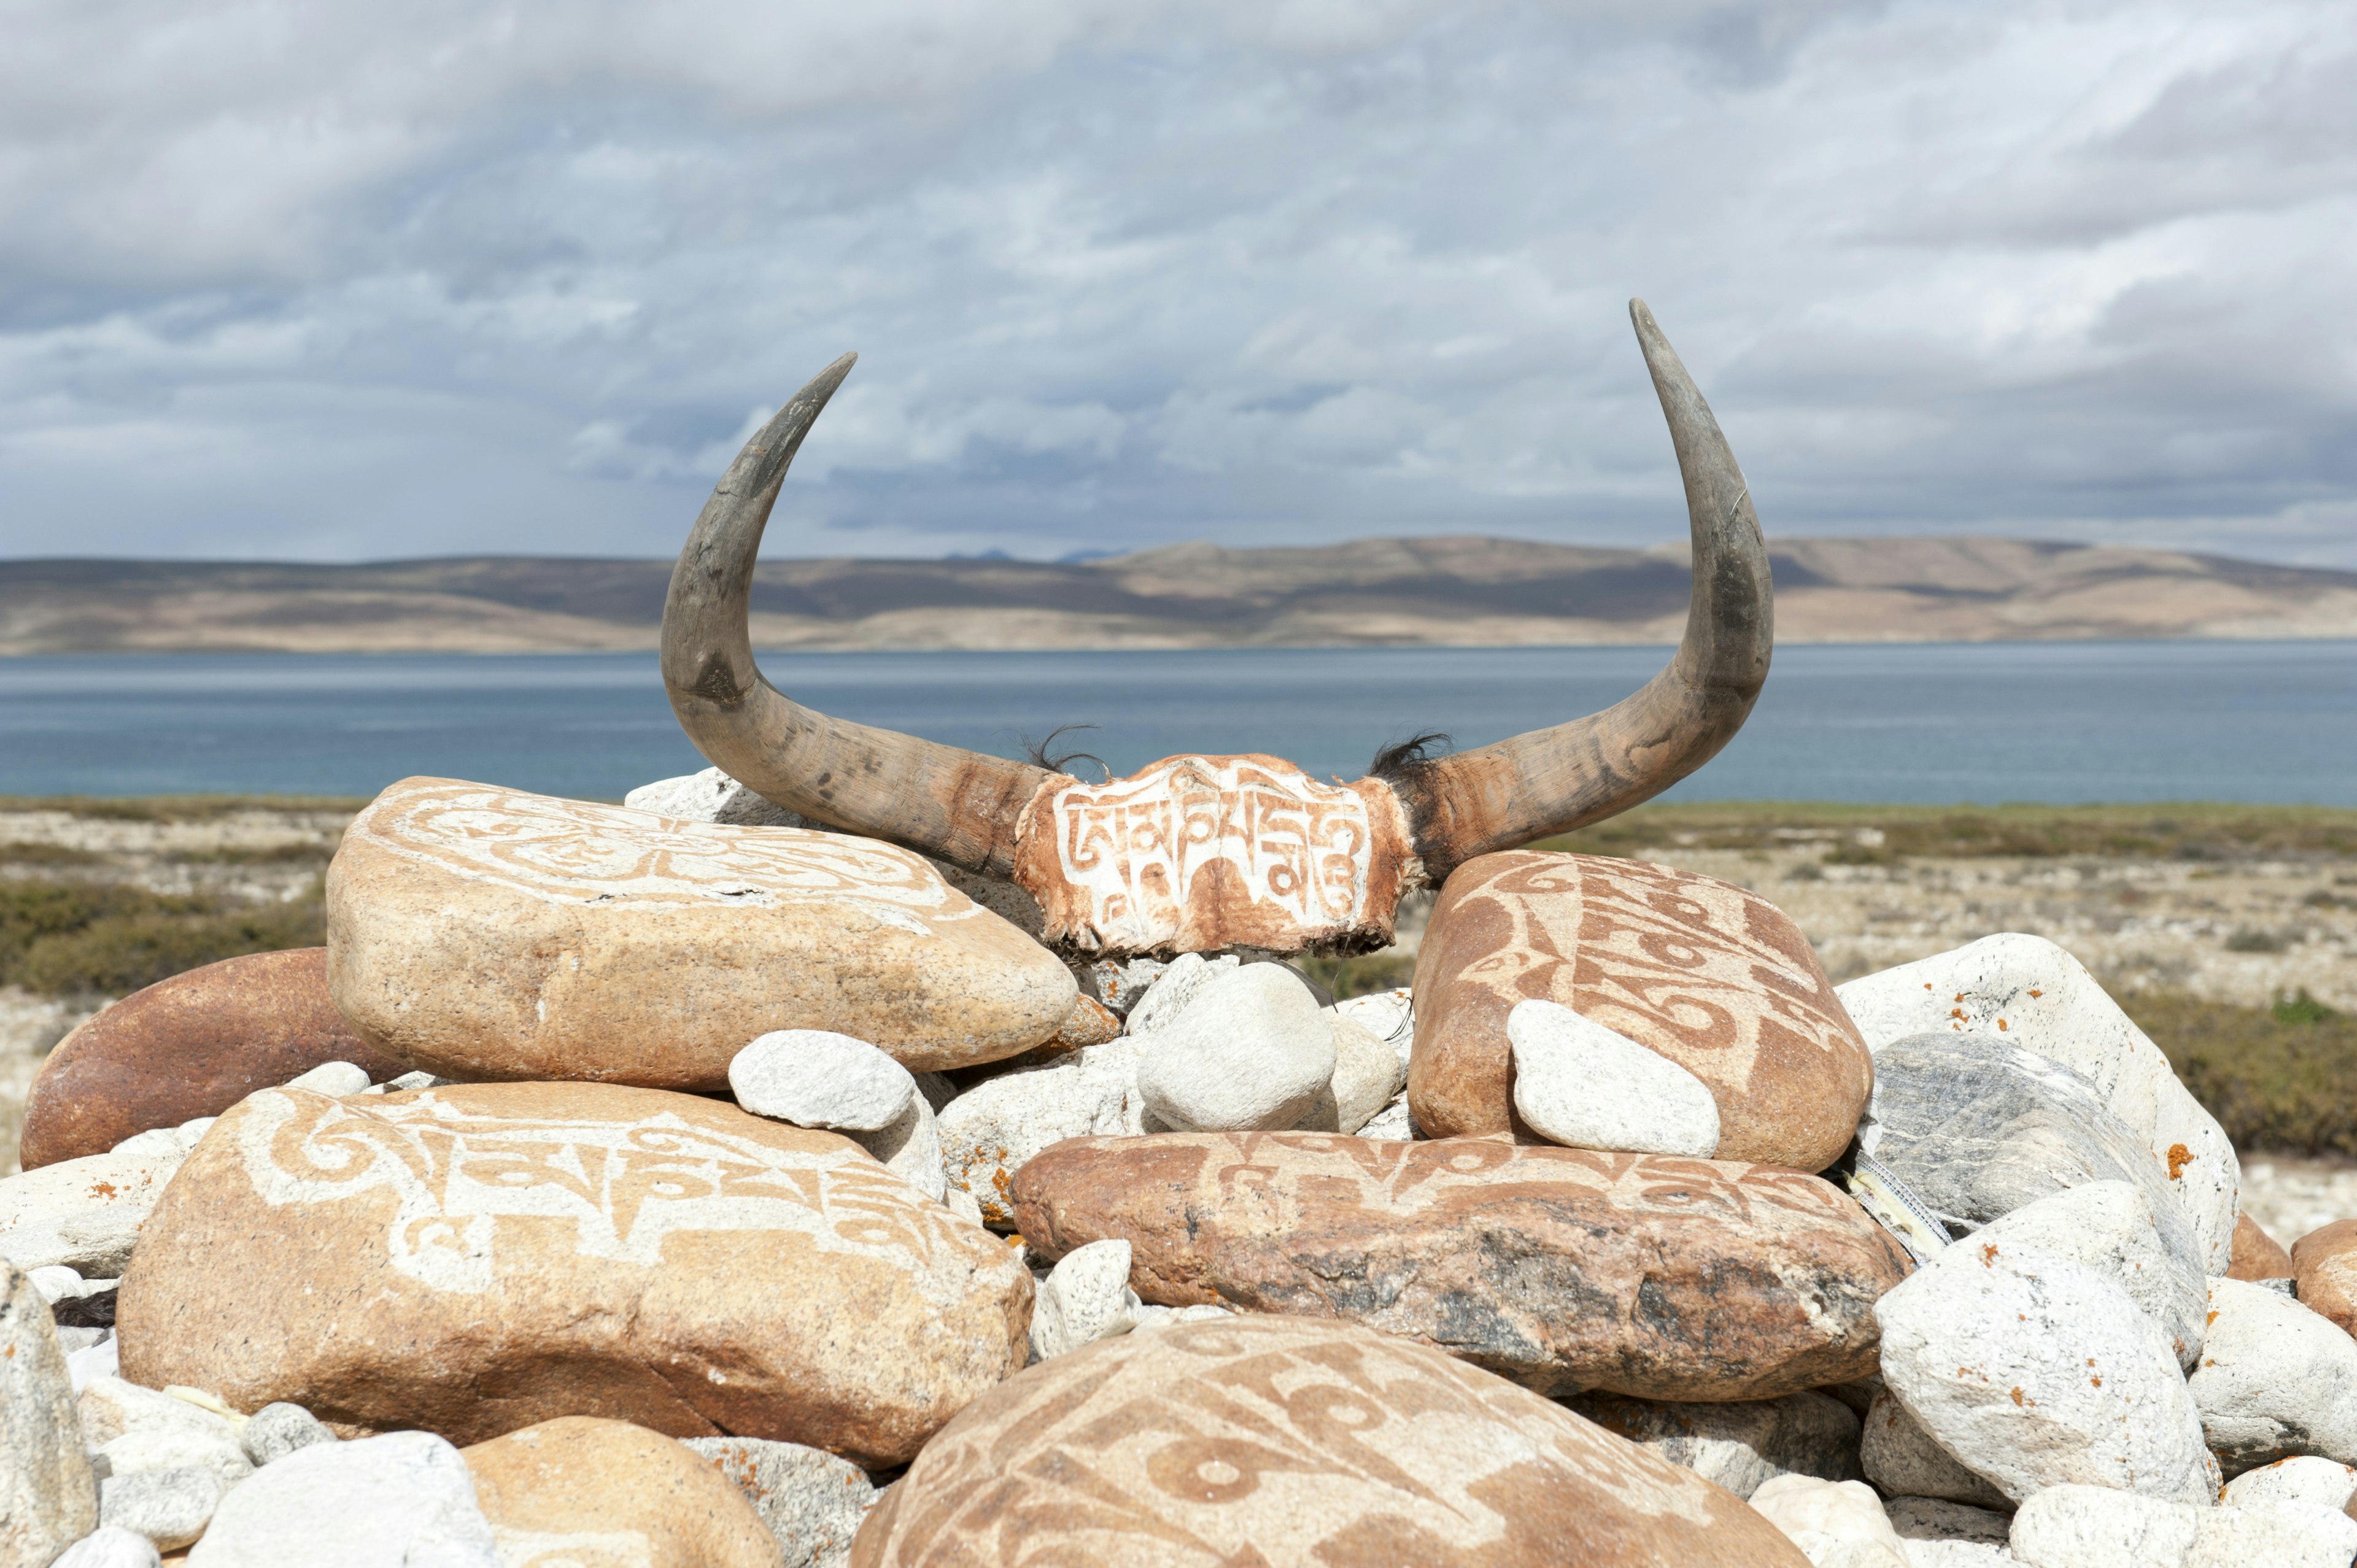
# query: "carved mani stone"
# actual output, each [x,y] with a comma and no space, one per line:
[485,933]
[1199,854]
[1563,1269]
[1709,974]
[1277,1443]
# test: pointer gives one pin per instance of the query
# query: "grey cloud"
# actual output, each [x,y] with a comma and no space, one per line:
[301,280]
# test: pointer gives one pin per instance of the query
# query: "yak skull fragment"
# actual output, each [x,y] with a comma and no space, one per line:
[1196,853]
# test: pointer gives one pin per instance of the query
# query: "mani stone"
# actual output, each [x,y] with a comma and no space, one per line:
[2323,1265]
[2275,1381]
[48,1497]
[1738,1446]
[583,1490]
[1978,1127]
[1710,976]
[2030,992]
[1250,1050]
[482,933]
[1286,1442]
[811,1501]
[1563,1269]
[191,1045]
[2038,1372]
[1580,1084]
[474,1258]
[402,1500]
[2257,1255]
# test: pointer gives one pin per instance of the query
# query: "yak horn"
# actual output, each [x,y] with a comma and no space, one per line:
[1553,781]
[959,805]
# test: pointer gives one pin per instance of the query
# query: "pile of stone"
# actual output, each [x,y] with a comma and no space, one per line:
[677,1185]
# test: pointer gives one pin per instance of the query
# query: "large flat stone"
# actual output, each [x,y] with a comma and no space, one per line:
[1285,1443]
[483,933]
[1564,1269]
[475,1259]
[1706,973]
[191,1045]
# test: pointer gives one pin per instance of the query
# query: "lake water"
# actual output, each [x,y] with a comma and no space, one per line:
[1936,722]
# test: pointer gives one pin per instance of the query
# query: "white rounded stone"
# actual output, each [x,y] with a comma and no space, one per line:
[1250,1051]
[2100,1527]
[911,1148]
[1086,1297]
[1177,984]
[1389,1015]
[2276,1379]
[989,1131]
[331,1078]
[816,1078]
[2305,1478]
[110,1546]
[1838,1524]
[2032,993]
[1368,1074]
[1587,1087]
[402,1501]
[171,1508]
[1903,1459]
[2035,1372]
[2111,1226]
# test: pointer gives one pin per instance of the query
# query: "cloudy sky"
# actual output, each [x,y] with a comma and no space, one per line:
[340,281]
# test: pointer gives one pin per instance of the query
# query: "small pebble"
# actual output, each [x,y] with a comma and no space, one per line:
[332,1077]
[1582,1085]
[815,1078]
[110,1546]
[1086,1298]
[277,1429]
[171,1508]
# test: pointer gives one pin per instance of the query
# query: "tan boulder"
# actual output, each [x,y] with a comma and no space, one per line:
[191,1045]
[579,1492]
[2257,1255]
[1285,1443]
[2324,1264]
[475,1259]
[484,933]
[1706,973]
[1564,1269]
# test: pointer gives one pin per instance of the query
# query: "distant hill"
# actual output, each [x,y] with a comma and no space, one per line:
[1457,591]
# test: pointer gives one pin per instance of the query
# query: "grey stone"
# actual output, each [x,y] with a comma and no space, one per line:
[2115,1225]
[1737,1446]
[816,1078]
[1836,1524]
[110,1546]
[171,1508]
[938,1088]
[277,1429]
[2036,1372]
[1118,983]
[811,1501]
[2099,1527]
[2326,1483]
[1389,1015]
[1580,1084]
[989,1131]
[2276,1380]
[1936,1519]
[1903,1460]
[1978,1127]
[85,1213]
[2031,993]
[48,1497]
[1086,1297]
[332,1077]
[402,1501]
[1249,1051]
[1178,985]
[1368,1075]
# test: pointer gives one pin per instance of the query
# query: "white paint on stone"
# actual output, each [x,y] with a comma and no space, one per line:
[816,1078]
[1836,1524]
[49,1496]
[2305,1478]
[2032,993]
[1086,1297]
[2099,1527]
[2111,1226]
[1582,1085]
[2034,1372]
[2276,1380]
[402,1501]
[1250,1051]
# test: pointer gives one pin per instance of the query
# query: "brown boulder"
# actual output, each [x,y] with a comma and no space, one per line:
[479,1258]
[1284,1442]
[2324,1264]
[578,1492]
[2257,1255]
[1563,1269]
[1706,973]
[191,1045]
[483,933]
